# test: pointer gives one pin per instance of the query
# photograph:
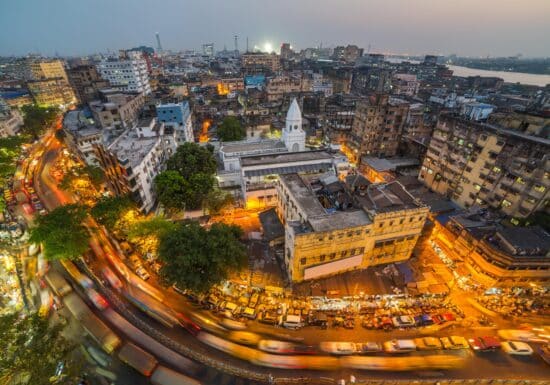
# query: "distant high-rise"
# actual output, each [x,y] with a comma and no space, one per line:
[208,49]
[286,51]
[127,73]
[159,46]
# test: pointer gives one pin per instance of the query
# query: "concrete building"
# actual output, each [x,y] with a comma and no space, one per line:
[260,62]
[52,92]
[48,69]
[82,135]
[477,111]
[177,116]
[132,161]
[294,137]
[86,82]
[497,256]
[332,227]
[286,51]
[278,86]
[487,165]
[128,73]
[378,126]
[347,54]
[116,109]
[405,84]
[339,115]
[208,50]
[10,121]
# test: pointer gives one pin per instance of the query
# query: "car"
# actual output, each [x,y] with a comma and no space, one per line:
[97,299]
[428,343]
[368,347]
[244,338]
[274,346]
[424,320]
[454,342]
[403,321]
[143,274]
[485,344]
[111,277]
[544,352]
[517,348]
[268,318]
[399,346]
[232,324]
[338,348]
[516,335]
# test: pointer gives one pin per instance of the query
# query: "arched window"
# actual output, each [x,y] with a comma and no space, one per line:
[295,126]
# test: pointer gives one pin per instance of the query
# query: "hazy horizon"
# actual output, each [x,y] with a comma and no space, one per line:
[416,27]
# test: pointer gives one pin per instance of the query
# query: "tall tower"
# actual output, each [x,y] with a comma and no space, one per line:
[159,47]
[236,44]
[294,137]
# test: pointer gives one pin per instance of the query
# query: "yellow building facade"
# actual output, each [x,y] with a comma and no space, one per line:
[321,241]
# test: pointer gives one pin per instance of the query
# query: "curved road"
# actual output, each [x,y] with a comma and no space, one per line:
[491,365]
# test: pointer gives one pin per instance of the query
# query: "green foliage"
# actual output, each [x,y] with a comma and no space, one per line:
[156,227]
[216,200]
[231,129]
[539,218]
[62,232]
[188,179]
[32,349]
[95,174]
[196,258]
[108,211]
[37,119]
[10,149]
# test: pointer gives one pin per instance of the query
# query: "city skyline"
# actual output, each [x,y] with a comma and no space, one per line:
[491,28]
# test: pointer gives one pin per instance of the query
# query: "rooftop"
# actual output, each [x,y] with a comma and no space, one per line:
[285,158]
[530,240]
[269,145]
[382,164]
[129,146]
[272,226]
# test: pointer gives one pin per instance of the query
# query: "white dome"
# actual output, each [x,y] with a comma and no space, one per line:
[294,112]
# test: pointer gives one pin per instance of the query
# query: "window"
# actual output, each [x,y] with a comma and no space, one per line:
[381,224]
[322,258]
[303,261]
[540,188]
[333,255]
[343,254]
[506,203]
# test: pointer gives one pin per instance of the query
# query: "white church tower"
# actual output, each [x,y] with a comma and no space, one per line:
[294,137]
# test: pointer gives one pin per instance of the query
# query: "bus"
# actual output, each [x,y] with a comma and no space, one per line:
[73,271]
[101,333]
[151,307]
[59,285]
[165,376]
[138,359]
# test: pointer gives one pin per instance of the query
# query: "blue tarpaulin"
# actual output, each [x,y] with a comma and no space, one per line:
[406,272]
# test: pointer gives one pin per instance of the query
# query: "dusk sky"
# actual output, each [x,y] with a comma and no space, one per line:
[463,27]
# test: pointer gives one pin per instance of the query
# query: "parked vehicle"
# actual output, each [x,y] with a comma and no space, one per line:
[318,319]
[268,318]
[142,273]
[428,343]
[517,348]
[454,342]
[403,321]
[291,321]
[277,347]
[399,346]
[517,335]
[368,347]
[338,348]
[484,344]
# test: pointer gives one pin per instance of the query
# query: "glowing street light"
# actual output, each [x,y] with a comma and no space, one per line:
[268,47]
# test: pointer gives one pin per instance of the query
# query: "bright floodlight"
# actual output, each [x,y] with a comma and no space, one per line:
[268,47]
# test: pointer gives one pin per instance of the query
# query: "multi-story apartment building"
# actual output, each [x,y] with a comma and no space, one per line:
[132,161]
[405,84]
[178,116]
[116,109]
[339,114]
[286,51]
[128,72]
[278,86]
[86,82]
[348,54]
[82,135]
[371,79]
[48,69]
[51,92]
[481,164]
[378,126]
[497,256]
[260,62]
[332,227]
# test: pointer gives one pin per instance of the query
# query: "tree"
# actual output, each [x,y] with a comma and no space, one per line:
[62,232]
[216,200]
[188,179]
[146,233]
[36,119]
[196,258]
[109,211]
[231,129]
[170,186]
[32,350]
[95,174]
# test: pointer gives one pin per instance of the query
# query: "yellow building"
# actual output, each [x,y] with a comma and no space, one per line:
[497,257]
[52,92]
[48,69]
[332,227]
